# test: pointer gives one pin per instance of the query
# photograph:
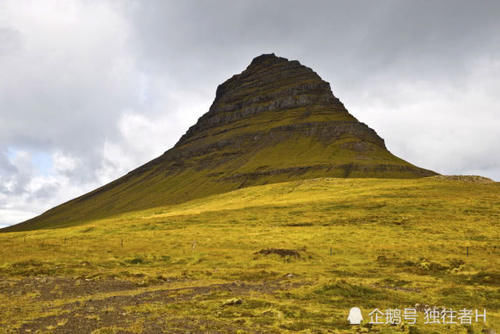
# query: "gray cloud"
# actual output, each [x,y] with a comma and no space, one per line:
[96,88]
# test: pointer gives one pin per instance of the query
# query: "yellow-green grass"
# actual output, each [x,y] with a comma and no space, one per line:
[372,243]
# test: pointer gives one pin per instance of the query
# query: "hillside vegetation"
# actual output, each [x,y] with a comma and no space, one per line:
[276,258]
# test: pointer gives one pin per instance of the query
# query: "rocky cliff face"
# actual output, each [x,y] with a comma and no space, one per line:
[276,121]
[276,101]
[271,84]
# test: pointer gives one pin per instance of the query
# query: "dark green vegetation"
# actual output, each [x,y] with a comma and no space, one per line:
[276,121]
[278,258]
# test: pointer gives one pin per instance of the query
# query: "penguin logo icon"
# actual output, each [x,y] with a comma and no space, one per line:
[355,317]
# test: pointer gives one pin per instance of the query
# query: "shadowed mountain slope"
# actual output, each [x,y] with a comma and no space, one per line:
[276,121]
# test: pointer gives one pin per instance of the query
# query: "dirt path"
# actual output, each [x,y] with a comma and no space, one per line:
[123,305]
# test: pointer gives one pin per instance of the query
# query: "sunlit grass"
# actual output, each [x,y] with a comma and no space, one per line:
[362,242]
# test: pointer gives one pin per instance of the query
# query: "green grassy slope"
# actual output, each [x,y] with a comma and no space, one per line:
[370,243]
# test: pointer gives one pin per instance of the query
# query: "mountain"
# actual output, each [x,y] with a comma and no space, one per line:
[275,121]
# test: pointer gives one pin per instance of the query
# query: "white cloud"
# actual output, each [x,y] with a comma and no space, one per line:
[64,163]
[440,125]
[70,72]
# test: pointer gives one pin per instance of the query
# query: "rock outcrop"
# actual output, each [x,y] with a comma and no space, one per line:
[276,101]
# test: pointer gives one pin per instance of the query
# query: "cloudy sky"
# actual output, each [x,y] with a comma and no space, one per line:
[91,89]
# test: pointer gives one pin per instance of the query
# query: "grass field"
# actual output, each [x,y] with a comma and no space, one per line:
[278,258]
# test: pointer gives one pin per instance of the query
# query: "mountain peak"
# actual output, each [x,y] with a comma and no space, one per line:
[269,83]
[276,121]
[267,59]
[264,63]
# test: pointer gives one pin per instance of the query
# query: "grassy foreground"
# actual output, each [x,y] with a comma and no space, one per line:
[287,257]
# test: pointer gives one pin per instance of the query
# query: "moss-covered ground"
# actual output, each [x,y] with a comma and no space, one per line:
[278,258]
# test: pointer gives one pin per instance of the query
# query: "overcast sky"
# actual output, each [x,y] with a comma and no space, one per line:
[92,89]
